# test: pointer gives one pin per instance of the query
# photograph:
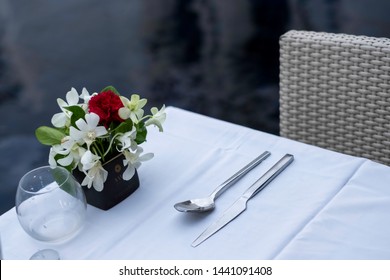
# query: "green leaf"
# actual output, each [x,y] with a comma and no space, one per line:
[124,127]
[77,113]
[112,89]
[141,133]
[49,135]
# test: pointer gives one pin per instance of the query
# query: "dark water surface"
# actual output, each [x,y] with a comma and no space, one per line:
[215,57]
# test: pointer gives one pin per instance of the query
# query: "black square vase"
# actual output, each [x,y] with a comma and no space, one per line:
[115,188]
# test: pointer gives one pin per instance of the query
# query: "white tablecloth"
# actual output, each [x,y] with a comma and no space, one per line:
[325,205]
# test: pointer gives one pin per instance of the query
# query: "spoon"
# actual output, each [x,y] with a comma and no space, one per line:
[207,203]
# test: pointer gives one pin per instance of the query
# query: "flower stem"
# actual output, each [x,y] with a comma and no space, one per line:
[97,150]
[111,142]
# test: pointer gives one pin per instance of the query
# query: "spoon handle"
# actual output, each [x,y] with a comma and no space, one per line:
[239,174]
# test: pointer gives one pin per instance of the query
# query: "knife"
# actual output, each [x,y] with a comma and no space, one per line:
[239,205]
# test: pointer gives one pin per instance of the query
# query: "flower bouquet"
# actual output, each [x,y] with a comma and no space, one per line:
[100,138]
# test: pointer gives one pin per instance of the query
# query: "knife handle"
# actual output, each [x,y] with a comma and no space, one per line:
[239,174]
[264,180]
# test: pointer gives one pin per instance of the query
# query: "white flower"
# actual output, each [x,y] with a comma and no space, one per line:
[71,151]
[62,119]
[133,108]
[52,161]
[89,129]
[68,159]
[86,97]
[127,140]
[158,117]
[59,150]
[133,161]
[96,175]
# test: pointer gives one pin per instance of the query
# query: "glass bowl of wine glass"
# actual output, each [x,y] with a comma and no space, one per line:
[50,204]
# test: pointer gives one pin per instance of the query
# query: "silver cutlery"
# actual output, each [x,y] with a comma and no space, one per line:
[240,204]
[208,203]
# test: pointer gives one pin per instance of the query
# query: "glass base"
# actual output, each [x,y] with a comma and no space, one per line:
[46,254]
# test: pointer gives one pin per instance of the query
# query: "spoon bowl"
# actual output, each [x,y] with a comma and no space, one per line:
[208,203]
[196,205]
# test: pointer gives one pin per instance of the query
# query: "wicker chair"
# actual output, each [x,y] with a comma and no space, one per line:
[335,92]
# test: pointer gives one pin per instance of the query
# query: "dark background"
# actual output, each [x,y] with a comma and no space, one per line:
[215,57]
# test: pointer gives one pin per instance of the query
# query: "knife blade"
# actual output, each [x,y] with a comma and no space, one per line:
[240,204]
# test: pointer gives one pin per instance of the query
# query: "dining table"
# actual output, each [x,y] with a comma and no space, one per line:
[324,206]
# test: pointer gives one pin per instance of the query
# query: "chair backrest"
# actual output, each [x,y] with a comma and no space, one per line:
[335,92]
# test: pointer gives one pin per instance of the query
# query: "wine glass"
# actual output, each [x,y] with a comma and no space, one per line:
[51,206]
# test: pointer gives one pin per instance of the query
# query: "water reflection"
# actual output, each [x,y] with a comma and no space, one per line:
[216,57]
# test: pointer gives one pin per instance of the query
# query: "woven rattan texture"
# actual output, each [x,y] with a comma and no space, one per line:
[335,92]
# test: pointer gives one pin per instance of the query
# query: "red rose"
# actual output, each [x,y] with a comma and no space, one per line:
[106,105]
